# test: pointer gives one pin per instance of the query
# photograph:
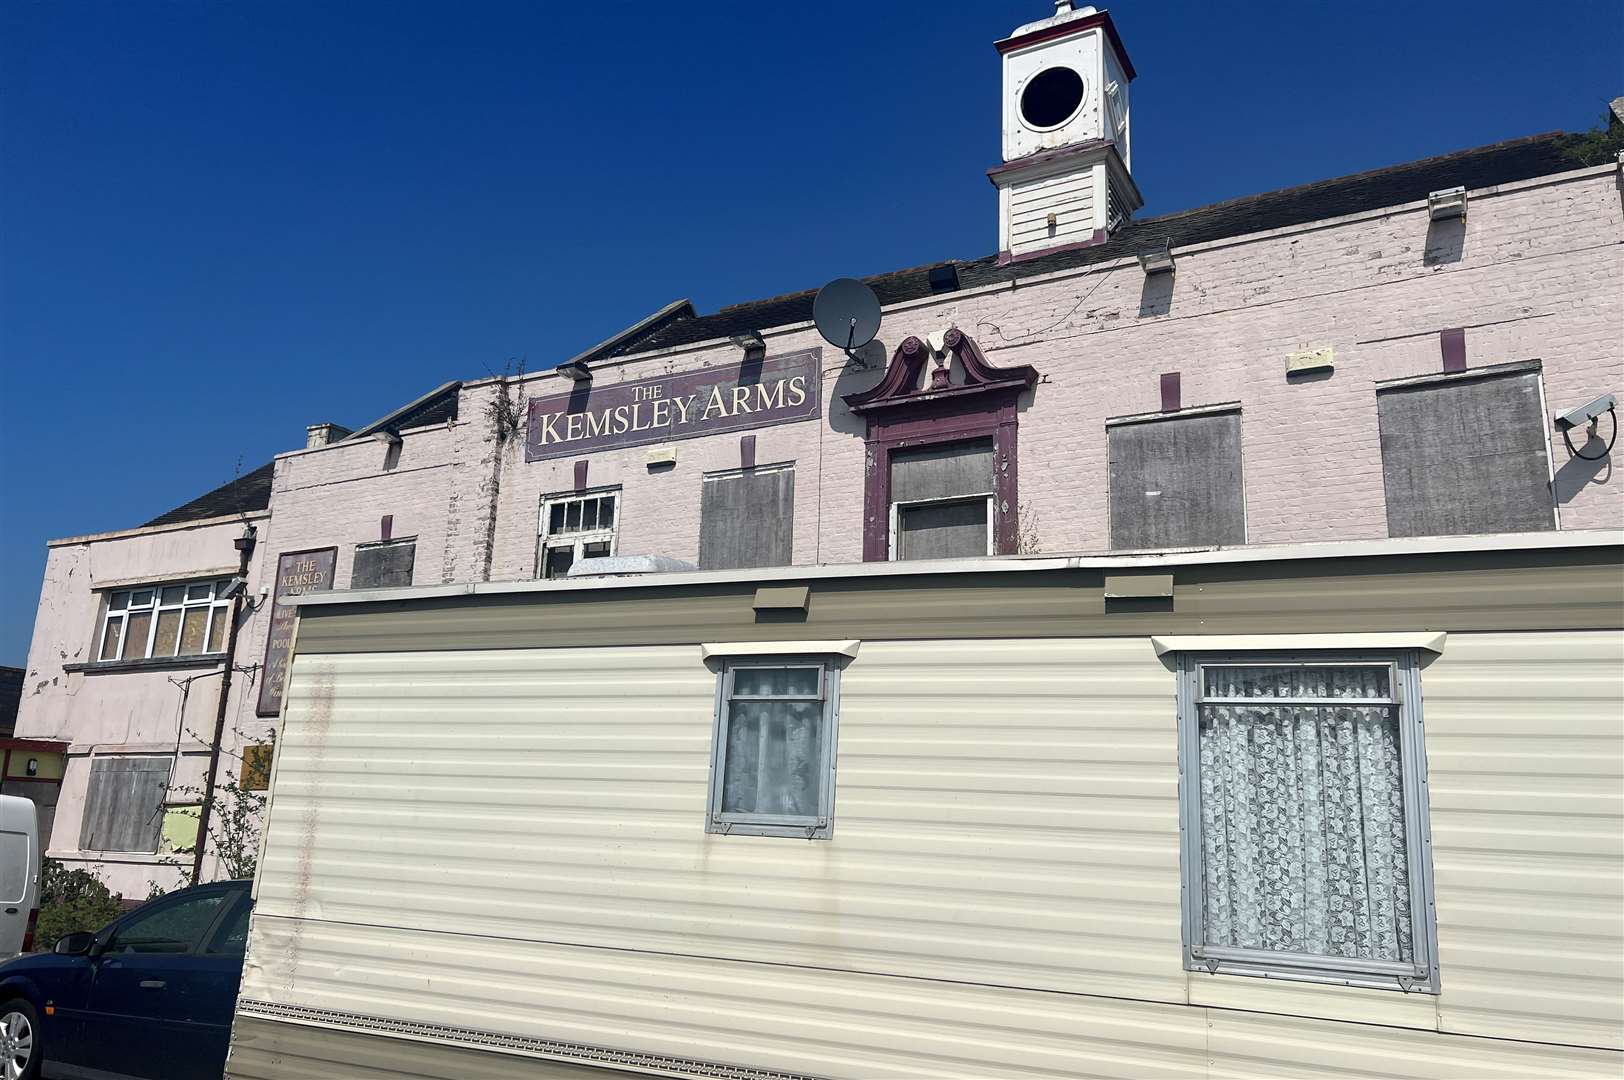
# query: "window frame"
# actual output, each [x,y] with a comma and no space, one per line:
[811,827]
[217,607]
[896,521]
[1422,975]
[546,541]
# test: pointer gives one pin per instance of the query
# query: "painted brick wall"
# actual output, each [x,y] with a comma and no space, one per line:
[1536,271]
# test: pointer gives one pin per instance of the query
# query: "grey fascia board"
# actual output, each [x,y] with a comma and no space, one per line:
[1259,553]
[361,433]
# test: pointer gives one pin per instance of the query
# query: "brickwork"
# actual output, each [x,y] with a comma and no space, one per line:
[1536,272]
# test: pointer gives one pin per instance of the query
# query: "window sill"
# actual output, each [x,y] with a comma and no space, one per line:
[153,663]
[1324,976]
[810,831]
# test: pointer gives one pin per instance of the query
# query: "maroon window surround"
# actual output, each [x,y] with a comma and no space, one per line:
[902,413]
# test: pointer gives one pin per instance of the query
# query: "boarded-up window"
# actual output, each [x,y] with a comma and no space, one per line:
[256,767]
[941,500]
[383,566]
[1465,456]
[1176,482]
[747,518]
[124,804]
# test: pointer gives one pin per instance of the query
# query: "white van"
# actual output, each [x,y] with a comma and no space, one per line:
[19,874]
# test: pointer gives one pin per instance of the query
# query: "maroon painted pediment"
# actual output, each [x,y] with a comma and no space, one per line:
[904,383]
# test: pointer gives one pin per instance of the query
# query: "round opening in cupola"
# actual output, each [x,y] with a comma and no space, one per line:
[1051,97]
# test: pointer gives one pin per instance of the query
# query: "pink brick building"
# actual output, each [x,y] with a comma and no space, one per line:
[1343,361]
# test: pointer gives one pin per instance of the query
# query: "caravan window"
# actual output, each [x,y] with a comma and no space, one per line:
[1303,791]
[772,771]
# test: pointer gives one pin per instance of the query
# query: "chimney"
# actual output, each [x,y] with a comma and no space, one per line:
[324,434]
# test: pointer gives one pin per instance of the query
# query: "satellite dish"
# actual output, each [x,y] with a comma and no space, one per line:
[847,314]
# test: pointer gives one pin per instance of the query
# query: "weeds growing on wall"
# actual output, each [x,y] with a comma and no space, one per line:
[506,409]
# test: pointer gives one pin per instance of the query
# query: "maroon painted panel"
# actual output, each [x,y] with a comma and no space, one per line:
[580,473]
[1170,392]
[747,451]
[1453,343]
[711,401]
[297,572]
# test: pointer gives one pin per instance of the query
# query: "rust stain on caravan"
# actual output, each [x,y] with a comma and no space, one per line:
[319,725]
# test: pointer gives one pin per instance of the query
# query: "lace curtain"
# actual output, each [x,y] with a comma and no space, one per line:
[1302,812]
[774,743]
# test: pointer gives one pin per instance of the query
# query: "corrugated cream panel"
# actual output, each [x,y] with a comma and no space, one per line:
[1005,812]
[1525,742]
[276,1050]
[824,1023]
[1248,1046]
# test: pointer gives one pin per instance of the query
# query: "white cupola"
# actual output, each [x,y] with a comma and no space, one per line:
[1065,180]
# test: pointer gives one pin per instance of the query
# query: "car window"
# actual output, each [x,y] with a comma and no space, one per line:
[170,927]
[231,937]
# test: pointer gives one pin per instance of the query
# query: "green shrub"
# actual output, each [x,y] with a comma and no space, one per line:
[71,900]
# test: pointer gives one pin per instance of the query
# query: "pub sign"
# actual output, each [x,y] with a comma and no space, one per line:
[685,405]
[297,572]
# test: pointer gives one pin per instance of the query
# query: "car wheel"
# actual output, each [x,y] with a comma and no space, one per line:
[19,1041]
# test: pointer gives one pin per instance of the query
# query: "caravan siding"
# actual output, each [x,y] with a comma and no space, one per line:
[1001,895]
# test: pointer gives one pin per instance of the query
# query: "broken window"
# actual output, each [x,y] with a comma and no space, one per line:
[576,527]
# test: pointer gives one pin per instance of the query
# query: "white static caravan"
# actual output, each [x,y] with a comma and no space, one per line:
[1325,810]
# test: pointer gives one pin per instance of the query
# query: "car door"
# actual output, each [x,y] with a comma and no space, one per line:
[139,1016]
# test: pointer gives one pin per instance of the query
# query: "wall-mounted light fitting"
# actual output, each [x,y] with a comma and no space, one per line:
[388,436]
[751,341]
[1157,260]
[33,766]
[247,540]
[1445,204]
[575,371]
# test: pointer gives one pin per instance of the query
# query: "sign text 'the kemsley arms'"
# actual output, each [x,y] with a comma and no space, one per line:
[667,407]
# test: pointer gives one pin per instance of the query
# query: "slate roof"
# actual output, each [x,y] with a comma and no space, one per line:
[1500,163]
[247,493]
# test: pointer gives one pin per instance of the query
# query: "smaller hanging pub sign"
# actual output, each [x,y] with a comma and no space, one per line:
[297,572]
[684,405]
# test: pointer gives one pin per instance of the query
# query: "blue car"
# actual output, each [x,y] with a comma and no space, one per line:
[149,995]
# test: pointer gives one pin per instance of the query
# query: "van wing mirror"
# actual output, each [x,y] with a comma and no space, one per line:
[77,943]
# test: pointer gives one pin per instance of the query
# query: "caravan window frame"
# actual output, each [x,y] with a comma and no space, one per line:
[819,826]
[1421,974]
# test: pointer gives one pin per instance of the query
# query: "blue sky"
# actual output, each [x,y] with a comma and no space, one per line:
[220,222]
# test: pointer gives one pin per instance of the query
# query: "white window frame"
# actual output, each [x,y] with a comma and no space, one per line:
[1421,976]
[218,607]
[898,507]
[815,827]
[546,541]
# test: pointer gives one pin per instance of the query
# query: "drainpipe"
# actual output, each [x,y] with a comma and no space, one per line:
[245,550]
